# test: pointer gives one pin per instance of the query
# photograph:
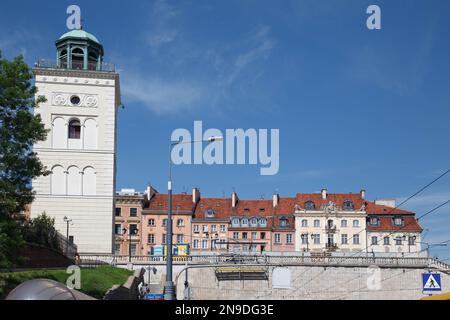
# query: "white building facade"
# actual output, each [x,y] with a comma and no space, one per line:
[83,96]
[347,223]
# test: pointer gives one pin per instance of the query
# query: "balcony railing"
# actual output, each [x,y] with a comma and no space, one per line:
[267,259]
[76,65]
[330,229]
[331,246]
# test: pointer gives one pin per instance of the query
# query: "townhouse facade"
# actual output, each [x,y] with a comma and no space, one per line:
[154,215]
[349,223]
[210,225]
[250,225]
[128,222]
[316,223]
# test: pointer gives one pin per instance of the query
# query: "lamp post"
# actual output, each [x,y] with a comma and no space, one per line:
[169,289]
[305,236]
[68,222]
[130,233]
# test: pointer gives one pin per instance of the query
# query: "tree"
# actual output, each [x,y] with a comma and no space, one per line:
[41,230]
[20,128]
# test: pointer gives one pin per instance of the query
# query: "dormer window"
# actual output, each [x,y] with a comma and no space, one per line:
[244,222]
[262,222]
[262,210]
[246,210]
[235,222]
[398,221]
[283,222]
[348,205]
[309,205]
[373,221]
[254,222]
[210,213]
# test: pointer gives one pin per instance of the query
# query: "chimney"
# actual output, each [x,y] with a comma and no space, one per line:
[275,200]
[148,192]
[363,194]
[195,195]
[234,199]
[324,194]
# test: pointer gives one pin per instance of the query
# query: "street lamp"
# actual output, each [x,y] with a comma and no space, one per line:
[68,222]
[305,236]
[130,233]
[169,289]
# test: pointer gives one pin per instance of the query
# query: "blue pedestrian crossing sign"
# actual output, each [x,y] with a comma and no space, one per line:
[431,282]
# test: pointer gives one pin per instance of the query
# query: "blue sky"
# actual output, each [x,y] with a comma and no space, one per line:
[355,108]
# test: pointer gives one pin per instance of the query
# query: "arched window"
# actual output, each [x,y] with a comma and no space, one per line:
[90,134]
[74,129]
[309,205]
[209,213]
[284,222]
[77,58]
[244,222]
[254,222]
[59,139]
[262,222]
[73,181]
[63,59]
[92,60]
[89,181]
[235,222]
[348,205]
[58,180]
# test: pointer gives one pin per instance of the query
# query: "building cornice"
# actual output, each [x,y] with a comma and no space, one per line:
[75,73]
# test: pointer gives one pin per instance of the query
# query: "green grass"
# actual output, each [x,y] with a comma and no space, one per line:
[94,282]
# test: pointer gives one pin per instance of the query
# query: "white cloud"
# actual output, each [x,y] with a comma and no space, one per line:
[428,200]
[162,30]
[262,45]
[162,96]
[207,85]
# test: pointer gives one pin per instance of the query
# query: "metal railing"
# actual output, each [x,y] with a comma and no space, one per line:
[295,260]
[76,65]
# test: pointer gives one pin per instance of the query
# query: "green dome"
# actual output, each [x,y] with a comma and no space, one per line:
[81,34]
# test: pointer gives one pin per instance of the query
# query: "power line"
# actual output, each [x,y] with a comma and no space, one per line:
[424,215]
[407,224]
[403,202]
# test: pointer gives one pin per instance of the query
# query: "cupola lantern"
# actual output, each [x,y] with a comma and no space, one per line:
[79,50]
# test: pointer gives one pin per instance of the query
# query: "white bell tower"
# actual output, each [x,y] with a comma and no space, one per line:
[83,95]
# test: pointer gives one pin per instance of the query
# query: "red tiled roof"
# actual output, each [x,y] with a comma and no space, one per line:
[336,198]
[373,208]
[386,224]
[253,208]
[286,206]
[221,207]
[180,202]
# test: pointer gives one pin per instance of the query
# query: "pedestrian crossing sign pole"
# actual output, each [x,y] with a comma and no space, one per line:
[431,282]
